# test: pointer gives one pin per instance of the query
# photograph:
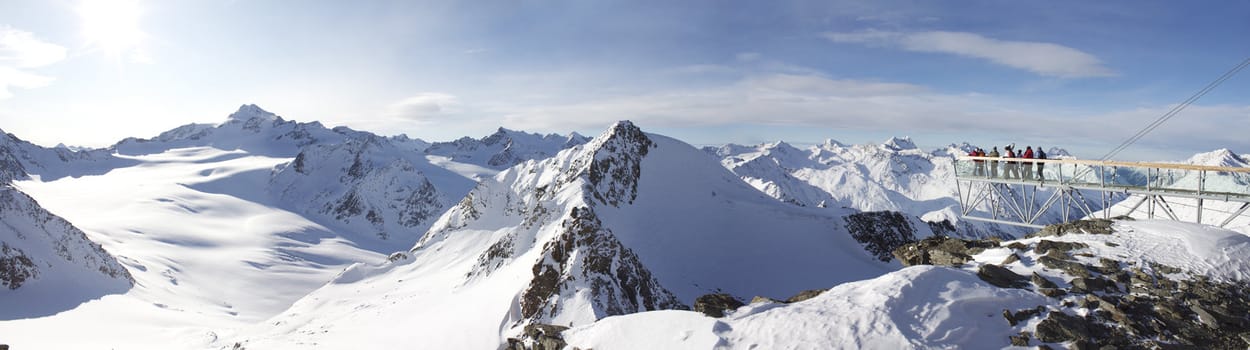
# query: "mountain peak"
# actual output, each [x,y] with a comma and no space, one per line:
[831,143]
[613,163]
[624,126]
[899,143]
[1220,157]
[250,111]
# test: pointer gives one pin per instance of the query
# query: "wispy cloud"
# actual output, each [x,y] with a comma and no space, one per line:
[777,98]
[20,51]
[1038,57]
[423,107]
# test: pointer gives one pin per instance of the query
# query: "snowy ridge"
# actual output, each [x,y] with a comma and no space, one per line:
[505,148]
[20,159]
[46,264]
[1221,157]
[625,223]
[251,129]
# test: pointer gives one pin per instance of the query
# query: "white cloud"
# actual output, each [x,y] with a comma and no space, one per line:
[1038,57]
[20,51]
[10,77]
[815,85]
[423,107]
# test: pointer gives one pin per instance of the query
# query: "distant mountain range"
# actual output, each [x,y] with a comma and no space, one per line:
[263,232]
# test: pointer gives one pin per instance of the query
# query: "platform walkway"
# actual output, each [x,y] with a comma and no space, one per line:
[990,191]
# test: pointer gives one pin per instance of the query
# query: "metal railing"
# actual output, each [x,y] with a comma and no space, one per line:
[1001,179]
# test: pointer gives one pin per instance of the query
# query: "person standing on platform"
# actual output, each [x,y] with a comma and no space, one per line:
[977,170]
[1011,170]
[993,163]
[1040,155]
[1028,164]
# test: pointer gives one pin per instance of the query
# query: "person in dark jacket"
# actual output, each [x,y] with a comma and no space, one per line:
[993,163]
[1040,155]
[1011,170]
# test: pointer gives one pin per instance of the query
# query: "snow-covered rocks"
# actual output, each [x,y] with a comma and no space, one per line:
[46,264]
[883,231]
[368,186]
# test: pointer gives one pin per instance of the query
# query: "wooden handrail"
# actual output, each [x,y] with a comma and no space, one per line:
[1155,165]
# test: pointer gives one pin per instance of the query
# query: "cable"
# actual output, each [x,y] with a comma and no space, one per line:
[1176,110]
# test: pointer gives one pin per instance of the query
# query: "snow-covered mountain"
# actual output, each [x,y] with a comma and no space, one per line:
[894,175]
[505,148]
[46,264]
[251,129]
[368,185]
[625,223]
[220,225]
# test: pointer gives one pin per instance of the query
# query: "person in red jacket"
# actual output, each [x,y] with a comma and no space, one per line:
[1028,165]
[979,170]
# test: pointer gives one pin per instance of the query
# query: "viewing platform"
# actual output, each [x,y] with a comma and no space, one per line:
[1014,192]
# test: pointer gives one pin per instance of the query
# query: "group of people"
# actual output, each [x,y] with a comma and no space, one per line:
[1018,168]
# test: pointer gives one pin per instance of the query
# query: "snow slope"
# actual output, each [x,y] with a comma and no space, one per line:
[916,307]
[627,222]
[202,258]
[924,307]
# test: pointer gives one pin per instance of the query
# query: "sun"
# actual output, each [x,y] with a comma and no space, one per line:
[111,25]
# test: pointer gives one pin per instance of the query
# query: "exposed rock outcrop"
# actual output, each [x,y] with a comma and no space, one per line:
[1002,277]
[1095,226]
[940,250]
[715,305]
[881,232]
[539,337]
[15,267]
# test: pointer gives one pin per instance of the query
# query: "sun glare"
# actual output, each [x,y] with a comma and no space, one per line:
[111,25]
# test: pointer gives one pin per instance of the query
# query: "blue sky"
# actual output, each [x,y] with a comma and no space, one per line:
[1076,74]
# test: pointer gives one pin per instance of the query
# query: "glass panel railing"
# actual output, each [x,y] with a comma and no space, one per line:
[1163,178]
